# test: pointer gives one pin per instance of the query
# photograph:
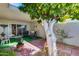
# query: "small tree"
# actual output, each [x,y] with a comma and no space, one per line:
[49,14]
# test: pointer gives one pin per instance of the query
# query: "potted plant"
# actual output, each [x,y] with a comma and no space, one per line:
[20,44]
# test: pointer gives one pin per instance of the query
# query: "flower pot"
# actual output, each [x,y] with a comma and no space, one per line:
[19,47]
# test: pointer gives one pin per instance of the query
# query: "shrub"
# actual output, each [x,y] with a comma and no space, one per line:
[4,52]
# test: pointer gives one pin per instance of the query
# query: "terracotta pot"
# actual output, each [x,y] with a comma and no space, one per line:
[19,46]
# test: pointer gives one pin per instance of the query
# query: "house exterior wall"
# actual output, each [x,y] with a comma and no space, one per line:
[12,21]
[1,29]
[40,30]
[8,30]
[11,12]
[11,15]
[4,5]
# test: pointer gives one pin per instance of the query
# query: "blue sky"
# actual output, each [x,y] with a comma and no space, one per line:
[16,4]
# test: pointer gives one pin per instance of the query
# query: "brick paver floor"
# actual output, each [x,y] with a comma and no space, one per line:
[67,50]
[31,48]
[36,46]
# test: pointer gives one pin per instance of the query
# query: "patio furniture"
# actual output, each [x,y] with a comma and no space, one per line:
[4,40]
[17,38]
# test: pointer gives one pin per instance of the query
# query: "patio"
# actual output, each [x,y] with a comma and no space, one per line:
[36,48]
[30,48]
[13,41]
[67,50]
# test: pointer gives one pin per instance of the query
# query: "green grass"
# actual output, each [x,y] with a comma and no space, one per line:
[4,52]
[14,41]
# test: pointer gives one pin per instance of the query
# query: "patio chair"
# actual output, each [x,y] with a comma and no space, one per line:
[4,40]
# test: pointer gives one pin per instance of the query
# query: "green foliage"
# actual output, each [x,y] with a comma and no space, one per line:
[20,43]
[58,11]
[4,52]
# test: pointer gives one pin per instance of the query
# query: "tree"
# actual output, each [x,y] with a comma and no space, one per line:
[49,14]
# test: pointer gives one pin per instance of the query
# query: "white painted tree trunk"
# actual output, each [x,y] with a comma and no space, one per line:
[50,36]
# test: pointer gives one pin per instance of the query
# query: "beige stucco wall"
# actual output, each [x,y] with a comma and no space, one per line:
[10,12]
[40,30]
[11,21]
[72,30]
[3,5]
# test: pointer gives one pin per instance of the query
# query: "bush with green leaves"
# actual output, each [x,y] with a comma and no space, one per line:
[4,52]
